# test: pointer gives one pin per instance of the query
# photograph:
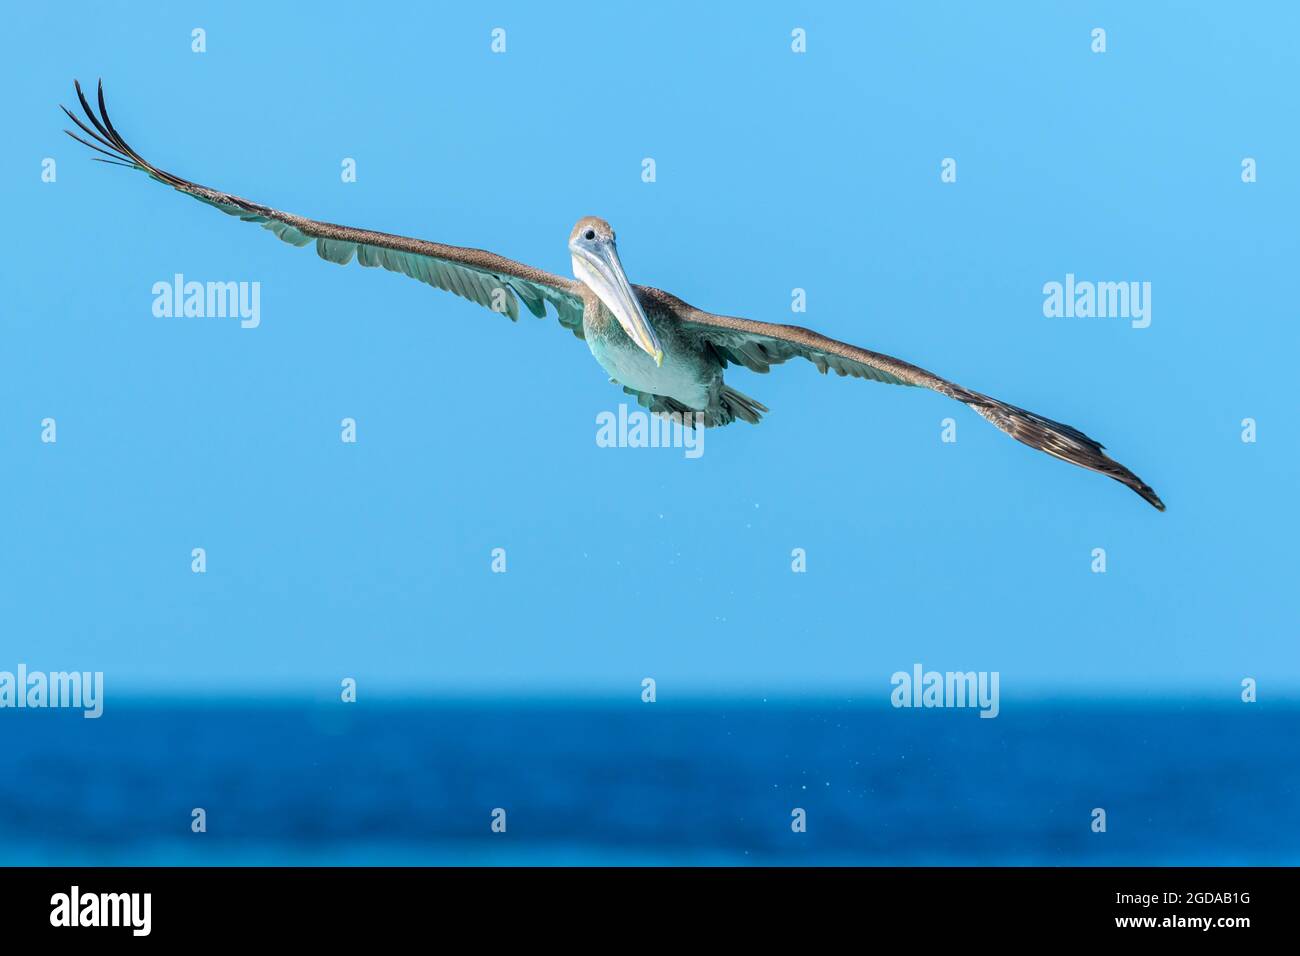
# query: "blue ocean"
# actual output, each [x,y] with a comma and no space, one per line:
[416,782]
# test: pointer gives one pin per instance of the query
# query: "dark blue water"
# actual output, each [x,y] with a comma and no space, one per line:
[651,783]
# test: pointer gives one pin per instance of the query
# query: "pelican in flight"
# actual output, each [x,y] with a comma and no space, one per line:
[669,355]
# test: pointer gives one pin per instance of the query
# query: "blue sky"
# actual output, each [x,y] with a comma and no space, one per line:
[774,171]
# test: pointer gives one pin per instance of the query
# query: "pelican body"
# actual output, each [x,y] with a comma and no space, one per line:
[648,356]
[670,355]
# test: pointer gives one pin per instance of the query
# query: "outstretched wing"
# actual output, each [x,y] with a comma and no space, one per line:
[492,281]
[760,345]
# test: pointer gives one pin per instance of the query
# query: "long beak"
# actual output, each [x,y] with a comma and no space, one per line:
[609,282]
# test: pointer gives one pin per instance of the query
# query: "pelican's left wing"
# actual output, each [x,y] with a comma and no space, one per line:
[492,281]
[760,345]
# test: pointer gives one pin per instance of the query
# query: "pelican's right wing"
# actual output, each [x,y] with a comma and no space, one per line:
[492,281]
[760,345]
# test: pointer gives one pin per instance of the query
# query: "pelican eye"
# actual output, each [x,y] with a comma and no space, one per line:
[589,235]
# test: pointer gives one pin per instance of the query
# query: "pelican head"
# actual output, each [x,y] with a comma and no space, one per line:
[596,264]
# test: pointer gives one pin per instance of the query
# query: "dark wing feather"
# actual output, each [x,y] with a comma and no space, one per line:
[760,345]
[492,281]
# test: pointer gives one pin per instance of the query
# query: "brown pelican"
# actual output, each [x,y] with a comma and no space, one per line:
[668,354]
